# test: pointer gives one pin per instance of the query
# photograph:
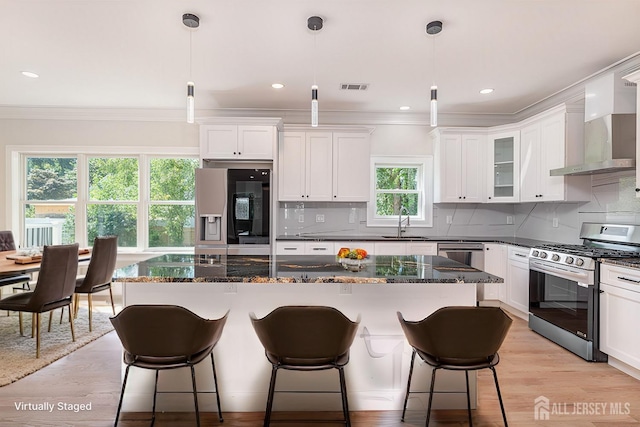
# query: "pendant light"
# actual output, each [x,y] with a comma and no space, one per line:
[191,21]
[433,28]
[314,23]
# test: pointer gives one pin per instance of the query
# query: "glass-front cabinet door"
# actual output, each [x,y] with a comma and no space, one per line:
[504,167]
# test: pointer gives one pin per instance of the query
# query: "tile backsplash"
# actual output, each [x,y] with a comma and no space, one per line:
[613,200]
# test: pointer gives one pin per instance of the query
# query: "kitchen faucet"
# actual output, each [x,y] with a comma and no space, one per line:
[400,220]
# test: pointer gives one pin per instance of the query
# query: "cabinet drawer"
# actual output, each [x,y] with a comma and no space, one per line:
[519,254]
[622,277]
[318,248]
[290,248]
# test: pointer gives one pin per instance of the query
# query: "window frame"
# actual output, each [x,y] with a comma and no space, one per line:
[425,190]
[16,194]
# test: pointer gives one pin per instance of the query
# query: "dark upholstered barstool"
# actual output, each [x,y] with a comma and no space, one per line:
[306,338]
[54,288]
[7,243]
[161,337]
[99,273]
[457,338]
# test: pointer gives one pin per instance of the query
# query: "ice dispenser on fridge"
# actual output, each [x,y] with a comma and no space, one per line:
[211,196]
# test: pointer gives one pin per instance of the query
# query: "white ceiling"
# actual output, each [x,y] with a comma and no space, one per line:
[135,53]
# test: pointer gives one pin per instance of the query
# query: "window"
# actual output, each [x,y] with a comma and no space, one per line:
[146,200]
[51,198]
[400,183]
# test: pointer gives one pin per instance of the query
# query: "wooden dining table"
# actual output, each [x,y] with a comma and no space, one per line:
[11,267]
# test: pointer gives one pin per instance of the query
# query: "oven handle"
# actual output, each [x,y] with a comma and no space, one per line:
[583,277]
[583,285]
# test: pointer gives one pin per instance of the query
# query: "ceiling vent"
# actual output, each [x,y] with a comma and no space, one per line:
[354,86]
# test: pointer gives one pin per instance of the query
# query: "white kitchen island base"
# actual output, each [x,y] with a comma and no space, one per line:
[376,373]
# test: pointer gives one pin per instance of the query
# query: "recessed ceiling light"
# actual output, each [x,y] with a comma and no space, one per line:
[405,107]
[277,85]
[486,91]
[30,74]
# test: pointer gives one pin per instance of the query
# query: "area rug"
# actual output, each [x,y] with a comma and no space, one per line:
[18,353]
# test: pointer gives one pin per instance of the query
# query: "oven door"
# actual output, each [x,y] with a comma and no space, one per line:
[563,296]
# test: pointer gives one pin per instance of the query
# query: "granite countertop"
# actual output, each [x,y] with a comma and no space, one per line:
[625,262]
[300,269]
[509,240]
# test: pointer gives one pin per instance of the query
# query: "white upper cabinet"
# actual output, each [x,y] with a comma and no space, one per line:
[323,166]
[245,139]
[459,166]
[635,78]
[503,162]
[351,165]
[305,166]
[548,142]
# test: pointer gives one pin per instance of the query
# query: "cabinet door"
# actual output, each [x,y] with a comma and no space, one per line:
[472,168]
[530,164]
[450,169]
[256,142]
[518,285]
[495,262]
[503,162]
[421,248]
[552,156]
[390,248]
[291,168]
[218,141]
[319,166]
[620,308]
[351,165]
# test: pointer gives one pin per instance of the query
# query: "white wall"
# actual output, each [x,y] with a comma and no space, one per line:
[87,133]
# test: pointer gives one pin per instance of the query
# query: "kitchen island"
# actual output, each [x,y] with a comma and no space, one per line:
[378,369]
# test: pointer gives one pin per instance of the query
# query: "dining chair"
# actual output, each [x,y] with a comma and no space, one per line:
[54,287]
[161,337]
[459,339]
[7,243]
[99,273]
[306,338]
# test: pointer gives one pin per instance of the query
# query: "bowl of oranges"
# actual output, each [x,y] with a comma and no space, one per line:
[352,259]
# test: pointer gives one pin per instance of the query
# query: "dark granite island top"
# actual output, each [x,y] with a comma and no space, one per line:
[300,269]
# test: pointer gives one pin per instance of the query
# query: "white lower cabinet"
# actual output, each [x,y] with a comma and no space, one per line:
[620,313]
[390,248]
[422,248]
[495,262]
[518,278]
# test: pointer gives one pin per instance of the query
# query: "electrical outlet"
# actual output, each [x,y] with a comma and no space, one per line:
[555,222]
[319,218]
[352,216]
[230,288]
[449,219]
[301,218]
[345,288]
[509,219]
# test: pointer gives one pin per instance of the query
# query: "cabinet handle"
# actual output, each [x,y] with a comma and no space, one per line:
[520,255]
[319,249]
[489,197]
[239,153]
[628,280]
[290,249]
[307,196]
[334,196]
[464,197]
[637,190]
[234,153]
[459,197]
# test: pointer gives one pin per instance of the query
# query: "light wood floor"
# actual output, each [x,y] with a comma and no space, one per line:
[531,366]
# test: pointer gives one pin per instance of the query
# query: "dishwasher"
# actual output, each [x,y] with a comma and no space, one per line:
[468,253]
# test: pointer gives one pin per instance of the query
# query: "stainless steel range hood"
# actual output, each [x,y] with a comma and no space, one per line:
[610,146]
[609,129]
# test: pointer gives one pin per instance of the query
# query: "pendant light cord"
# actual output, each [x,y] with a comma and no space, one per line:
[315,51]
[190,48]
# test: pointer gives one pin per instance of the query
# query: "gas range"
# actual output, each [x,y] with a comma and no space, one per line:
[564,285]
